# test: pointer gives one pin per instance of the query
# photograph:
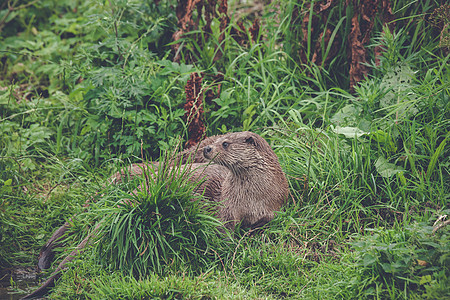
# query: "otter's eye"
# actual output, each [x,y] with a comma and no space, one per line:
[225,145]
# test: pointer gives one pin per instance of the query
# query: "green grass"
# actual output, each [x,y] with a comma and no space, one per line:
[86,88]
[158,227]
[212,284]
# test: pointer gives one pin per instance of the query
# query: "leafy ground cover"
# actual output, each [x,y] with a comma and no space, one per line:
[88,86]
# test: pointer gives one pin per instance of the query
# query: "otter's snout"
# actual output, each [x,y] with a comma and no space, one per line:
[206,151]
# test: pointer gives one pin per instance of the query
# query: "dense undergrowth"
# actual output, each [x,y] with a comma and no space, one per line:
[89,86]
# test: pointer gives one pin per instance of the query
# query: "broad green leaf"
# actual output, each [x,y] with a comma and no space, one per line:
[387,169]
[369,260]
[387,267]
[350,132]
[348,115]
[425,279]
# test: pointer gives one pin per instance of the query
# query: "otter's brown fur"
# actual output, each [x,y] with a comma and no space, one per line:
[255,185]
[193,154]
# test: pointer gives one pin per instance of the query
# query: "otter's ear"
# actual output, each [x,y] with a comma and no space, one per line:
[259,143]
[250,140]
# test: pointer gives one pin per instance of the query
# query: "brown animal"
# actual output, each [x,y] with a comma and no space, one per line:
[245,177]
[254,187]
[193,154]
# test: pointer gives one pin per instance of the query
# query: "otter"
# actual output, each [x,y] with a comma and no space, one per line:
[242,174]
[255,186]
[238,170]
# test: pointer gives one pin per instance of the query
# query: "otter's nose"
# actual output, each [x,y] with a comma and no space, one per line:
[206,150]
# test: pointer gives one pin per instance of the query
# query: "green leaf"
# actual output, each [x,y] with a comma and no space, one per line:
[350,132]
[369,260]
[5,98]
[425,279]
[387,267]
[387,169]
[348,115]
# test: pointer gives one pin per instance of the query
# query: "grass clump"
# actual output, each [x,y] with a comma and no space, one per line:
[160,226]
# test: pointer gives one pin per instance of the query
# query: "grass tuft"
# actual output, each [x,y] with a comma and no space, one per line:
[160,226]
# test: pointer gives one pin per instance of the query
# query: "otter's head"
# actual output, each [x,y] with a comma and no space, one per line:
[239,151]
